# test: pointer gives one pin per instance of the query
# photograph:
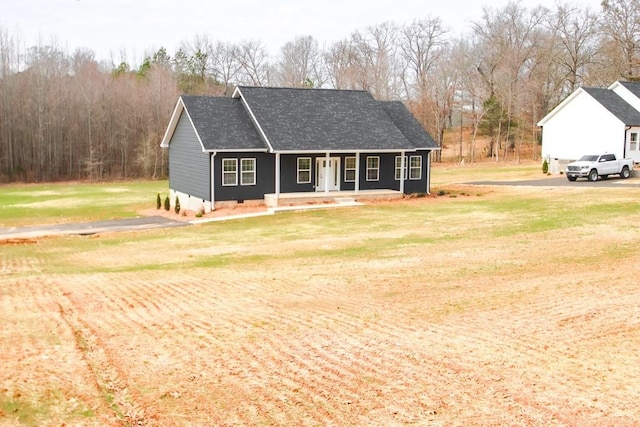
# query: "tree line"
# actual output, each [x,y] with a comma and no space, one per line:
[67,116]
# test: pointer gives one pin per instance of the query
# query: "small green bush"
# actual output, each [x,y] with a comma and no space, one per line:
[441,193]
[545,166]
[167,203]
[177,207]
[158,202]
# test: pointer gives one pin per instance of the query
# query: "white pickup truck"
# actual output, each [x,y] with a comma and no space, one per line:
[594,166]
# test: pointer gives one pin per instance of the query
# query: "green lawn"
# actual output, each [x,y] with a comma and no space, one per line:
[54,203]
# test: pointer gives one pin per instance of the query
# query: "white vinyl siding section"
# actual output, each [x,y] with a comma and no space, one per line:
[582,126]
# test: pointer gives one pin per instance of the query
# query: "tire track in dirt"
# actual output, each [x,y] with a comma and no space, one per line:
[107,377]
[332,352]
[10,265]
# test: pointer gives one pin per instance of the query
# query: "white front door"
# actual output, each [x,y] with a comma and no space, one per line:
[328,174]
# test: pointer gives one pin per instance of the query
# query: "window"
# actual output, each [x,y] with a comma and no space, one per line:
[247,171]
[229,172]
[633,141]
[349,169]
[399,165]
[415,167]
[373,168]
[304,170]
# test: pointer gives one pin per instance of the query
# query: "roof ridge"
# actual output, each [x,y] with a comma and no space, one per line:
[303,88]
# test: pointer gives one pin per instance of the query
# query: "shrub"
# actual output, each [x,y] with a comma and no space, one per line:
[158,202]
[441,193]
[167,203]
[177,207]
[545,166]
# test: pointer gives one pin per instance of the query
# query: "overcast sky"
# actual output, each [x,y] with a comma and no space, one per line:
[140,27]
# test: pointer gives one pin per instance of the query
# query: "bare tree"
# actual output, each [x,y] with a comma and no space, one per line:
[340,60]
[225,64]
[621,26]
[508,39]
[421,45]
[301,63]
[375,60]
[254,63]
[576,33]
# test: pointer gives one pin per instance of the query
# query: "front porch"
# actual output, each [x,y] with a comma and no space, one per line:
[292,199]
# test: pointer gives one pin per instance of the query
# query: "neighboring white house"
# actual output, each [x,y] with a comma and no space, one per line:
[593,121]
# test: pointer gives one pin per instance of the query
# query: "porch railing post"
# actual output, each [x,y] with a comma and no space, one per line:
[326,174]
[357,185]
[277,176]
[402,171]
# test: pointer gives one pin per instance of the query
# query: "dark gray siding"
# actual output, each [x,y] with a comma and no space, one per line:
[289,174]
[418,186]
[265,177]
[189,168]
[387,181]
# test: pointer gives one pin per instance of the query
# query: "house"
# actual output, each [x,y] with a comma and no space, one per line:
[262,144]
[593,121]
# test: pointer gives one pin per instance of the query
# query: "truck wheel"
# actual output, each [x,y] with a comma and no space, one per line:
[625,172]
[571,178]
[593,175]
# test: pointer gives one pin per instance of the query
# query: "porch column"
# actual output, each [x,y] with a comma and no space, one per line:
[402,171]
[357,184]
[277,176]
[326,174]
[213,181]
[428,172]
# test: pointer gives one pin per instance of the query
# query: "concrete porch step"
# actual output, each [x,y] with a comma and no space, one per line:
[345,200]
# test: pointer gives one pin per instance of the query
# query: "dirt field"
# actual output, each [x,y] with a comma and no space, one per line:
[457,310]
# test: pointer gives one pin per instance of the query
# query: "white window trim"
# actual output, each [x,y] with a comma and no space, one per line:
[633,141]
[418,168]
[377,169]
[354,169]
[398,165]
[252,171]
[298,170]
[235,172]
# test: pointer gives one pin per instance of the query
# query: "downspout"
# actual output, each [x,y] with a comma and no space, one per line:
[277,177]
[429,172]
[402,171]
[213,182]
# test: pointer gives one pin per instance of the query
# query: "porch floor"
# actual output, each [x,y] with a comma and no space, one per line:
[292,199]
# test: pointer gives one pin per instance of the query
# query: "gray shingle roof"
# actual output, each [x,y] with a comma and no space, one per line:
[323,120]
[633,87]
[408,124]
[616,105]
[222,123]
